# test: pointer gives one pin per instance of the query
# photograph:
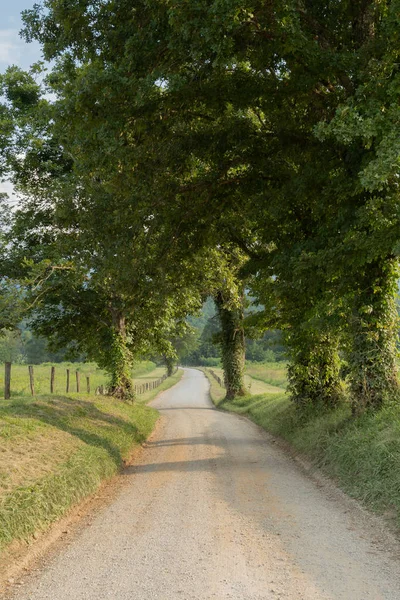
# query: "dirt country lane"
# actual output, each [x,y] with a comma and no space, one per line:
[213,509]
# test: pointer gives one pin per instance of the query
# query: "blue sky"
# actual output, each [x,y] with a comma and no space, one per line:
[13,50]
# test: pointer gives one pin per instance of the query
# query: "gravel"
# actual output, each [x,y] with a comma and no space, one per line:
[212,508]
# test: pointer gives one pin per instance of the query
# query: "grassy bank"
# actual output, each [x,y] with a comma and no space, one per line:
[362,455]
[55,450]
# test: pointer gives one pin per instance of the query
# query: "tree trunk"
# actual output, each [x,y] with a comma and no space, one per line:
[374,331]
[169,363]
[314,369]
[232,342]
[120,360]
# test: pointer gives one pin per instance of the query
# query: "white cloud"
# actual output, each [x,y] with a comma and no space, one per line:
[10,46]
[14,51]
[6,187]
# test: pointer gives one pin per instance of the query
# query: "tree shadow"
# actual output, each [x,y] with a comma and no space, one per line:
[202,441]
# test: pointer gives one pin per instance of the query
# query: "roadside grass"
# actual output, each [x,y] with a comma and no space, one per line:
[20,377]
[362,455]
[55,450]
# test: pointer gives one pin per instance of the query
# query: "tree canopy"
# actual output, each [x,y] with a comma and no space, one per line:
[203,148]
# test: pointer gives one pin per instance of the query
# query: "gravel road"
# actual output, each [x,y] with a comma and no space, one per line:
[212,508]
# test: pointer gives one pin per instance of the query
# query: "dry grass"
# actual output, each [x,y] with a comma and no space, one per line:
[23,460]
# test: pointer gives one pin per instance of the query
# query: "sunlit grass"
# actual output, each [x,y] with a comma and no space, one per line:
[56,449]
[361,454]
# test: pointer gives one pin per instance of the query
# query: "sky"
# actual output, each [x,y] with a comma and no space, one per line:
[13,50]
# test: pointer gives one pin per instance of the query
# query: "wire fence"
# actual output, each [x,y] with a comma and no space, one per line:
[75,381]
[217,378]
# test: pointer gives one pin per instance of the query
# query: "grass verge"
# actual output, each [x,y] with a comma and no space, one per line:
[361,454]
[56,450]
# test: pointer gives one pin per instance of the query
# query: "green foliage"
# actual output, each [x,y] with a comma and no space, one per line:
[11,347]
[373,354]
[283,151]
[314,371]
[257,352]
[232,342]
[206,352]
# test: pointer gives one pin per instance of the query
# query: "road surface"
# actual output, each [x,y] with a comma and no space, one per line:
[213,509]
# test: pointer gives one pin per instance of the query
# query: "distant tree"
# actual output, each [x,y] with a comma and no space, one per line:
[11,347]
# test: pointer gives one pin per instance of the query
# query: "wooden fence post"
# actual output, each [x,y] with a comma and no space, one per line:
[88,383]
[67,388]
[7,381]
[52,375]
[78,381]
[31,380]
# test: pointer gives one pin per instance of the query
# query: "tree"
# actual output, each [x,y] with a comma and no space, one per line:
[224,106]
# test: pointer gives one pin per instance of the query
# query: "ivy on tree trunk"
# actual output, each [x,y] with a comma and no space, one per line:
[314,369]
[169,363]
[374,331]
[232,342]
[120,360]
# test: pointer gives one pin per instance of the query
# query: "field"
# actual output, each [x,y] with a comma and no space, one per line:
[56,449]
[256,385]
[144,371]
[273,373]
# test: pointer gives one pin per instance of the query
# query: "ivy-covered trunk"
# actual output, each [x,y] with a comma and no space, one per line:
[169,363]
[374,332]
[232,342]
[314,369]
[120,360]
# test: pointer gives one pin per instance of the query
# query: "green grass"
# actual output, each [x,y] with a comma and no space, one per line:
[20,377]
[252,384]
[55,450]
[274,373]
[361,454]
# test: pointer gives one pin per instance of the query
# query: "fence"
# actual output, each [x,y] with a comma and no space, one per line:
[217,378]
[139,388]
